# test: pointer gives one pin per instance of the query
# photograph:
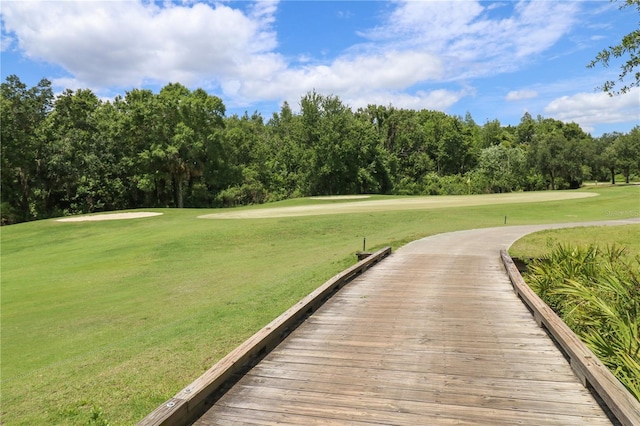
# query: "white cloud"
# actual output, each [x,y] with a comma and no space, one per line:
[6,40]
[517,95]
[361,76]
[129,43]
[234,51]
[592,109]
[6,43]
[125,44]
[469,41]
[439,100]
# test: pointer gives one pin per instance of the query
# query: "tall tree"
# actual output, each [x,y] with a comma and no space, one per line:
[605,161]
[334,166]
[558,150]
[492,134]
[526,129]
[186,122]
[406,143]
[73,173]
[22,113]
[546,150]
[627,152]
[137,131]
[502,167]
[290,160]
[449,146]
[245,177]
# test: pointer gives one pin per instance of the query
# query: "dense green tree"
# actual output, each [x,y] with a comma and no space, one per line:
[405,142]
[610,159]
[605,160]
[373,175]
[185,123]
[547,154]
[77,154]
[334,166]
[22,113]
[328,130]
[438,135]
[502,168]
[136,128]
[493,133]
[559,151]
[526,130]
[113,171]
[575,154]
[627,152]
[290,158]
[73,173]
[472,136]
[449,145]
[245,173]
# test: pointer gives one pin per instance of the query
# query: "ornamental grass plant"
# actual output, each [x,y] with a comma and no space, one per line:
[596,291]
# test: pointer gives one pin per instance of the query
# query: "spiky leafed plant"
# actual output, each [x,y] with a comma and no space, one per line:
[597,293]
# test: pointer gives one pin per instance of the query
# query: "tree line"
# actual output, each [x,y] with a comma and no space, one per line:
[74,153]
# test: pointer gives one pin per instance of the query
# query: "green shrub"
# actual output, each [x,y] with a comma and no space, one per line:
[247,194]
[597,293]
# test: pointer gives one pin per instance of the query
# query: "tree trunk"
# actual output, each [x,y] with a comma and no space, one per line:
[613,176]
[180,191]
[25,209]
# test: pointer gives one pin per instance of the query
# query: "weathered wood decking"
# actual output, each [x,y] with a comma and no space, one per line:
[434,334]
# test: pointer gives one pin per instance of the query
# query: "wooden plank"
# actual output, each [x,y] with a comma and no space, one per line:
[371,400]
[521,389]
[492,354]
[534,359]
[397,412]
[474,393]
[243,416]
[423,366]
[587,365]
[407,362]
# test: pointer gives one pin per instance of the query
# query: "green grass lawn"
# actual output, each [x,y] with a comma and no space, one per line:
[539,244]
[106,320]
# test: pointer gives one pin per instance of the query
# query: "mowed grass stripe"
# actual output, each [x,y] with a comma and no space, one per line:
[397,204]
[122,314]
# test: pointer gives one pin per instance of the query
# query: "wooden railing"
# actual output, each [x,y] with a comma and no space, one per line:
[193,401]
[588,368]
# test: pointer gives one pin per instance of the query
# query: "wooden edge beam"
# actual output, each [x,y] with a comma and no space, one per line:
[585,364]
[193,401]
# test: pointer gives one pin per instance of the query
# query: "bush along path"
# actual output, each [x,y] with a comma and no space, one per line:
[596,291]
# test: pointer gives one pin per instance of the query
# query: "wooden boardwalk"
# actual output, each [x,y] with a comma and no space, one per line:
[434,334]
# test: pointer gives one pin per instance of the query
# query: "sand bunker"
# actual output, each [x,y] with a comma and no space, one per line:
[108,216]
[409,203]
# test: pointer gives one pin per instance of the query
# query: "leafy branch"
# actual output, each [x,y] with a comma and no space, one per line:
[630,45]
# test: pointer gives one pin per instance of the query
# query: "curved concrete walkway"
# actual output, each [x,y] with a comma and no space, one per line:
[489,241]
[432,335]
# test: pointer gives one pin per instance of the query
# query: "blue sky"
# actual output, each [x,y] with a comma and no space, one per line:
[491,59]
